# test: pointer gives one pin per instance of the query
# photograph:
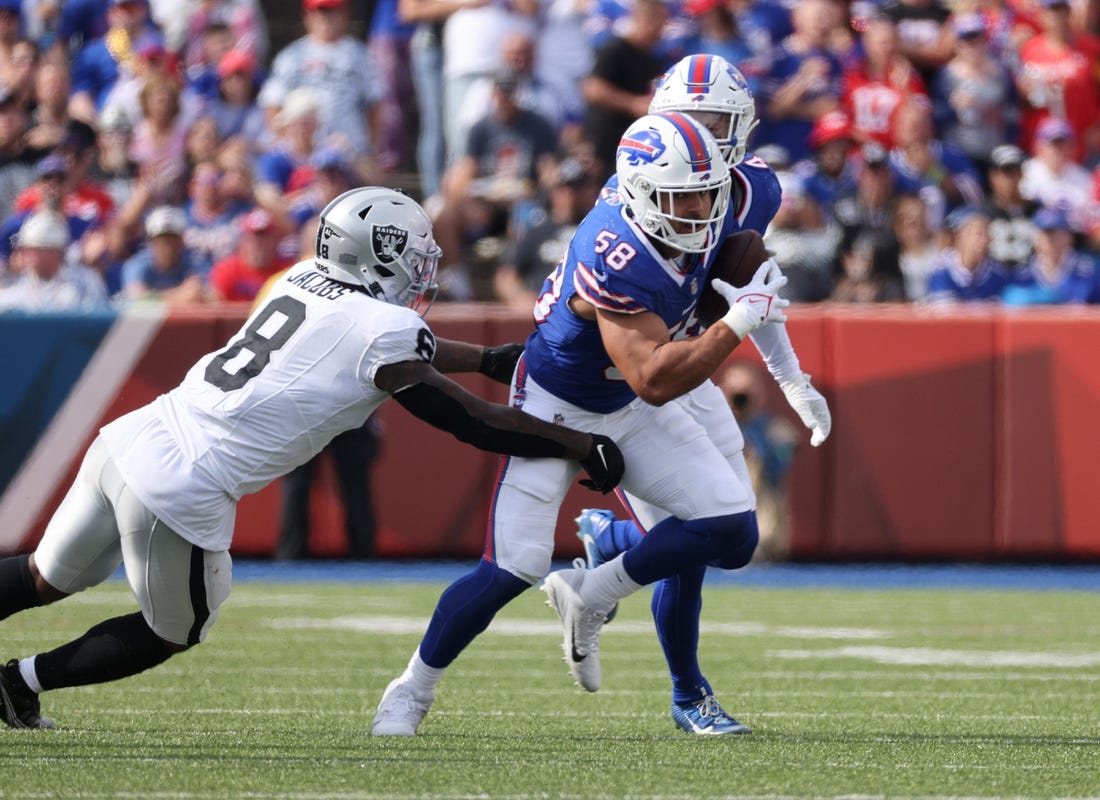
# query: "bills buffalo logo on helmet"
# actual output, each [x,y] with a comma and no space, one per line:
[388,242]
[642,147]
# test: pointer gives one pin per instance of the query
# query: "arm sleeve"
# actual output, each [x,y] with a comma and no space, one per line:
[777,351]
[503,430]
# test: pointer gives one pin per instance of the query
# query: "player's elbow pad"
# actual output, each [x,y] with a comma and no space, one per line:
[445,412]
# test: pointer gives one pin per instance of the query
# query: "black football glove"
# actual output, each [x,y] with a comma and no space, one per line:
[500,362]
[604,465]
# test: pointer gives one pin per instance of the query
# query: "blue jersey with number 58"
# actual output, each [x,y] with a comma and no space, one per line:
[611,264]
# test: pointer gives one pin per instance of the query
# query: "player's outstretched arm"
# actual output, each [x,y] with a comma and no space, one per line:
[442,403]
[497,362]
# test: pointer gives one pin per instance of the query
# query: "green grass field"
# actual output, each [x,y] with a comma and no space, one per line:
[851,693]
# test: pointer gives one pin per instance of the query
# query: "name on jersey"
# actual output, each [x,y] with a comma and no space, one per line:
[318,284]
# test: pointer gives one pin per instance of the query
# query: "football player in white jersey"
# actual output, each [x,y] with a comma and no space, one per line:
[714,93]
[604,356]
[157,491]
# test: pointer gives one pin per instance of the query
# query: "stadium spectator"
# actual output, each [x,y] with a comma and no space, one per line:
[924,164]
[148,61]
[866,209]
[63,184]
[328,176]
[517,54]
[18,74]
[965,271]
[564,55]
[239,276]
[879,82]
[869,271]
[1051,177]
[1010,213]
[340,71]
[243,21]
[233,108]
[163,269]
[202,142]
[504,154]
[831,172]
[213,221]
[1057,76]
[44,279]
[98,65]
[214,41]
[619,88]
[426,55]
[803,82]
[918,245]
[974,95]
[296,140]
[49,122]
[717,33]
[159,142]
[1057,273]
[388,43]
[471,51]
[802,242]
[926,38]
[18,156]
[519,278]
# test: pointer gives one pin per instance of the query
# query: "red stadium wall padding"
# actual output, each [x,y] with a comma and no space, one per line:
[1050,373]
[968,433]
[911,453]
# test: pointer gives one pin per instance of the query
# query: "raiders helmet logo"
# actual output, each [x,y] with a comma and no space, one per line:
[388,242]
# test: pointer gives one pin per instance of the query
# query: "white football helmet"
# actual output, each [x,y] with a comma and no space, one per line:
[667,165]
[705,83]
[382,239]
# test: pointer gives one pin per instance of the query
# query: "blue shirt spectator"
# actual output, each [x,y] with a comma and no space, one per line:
[1057,273]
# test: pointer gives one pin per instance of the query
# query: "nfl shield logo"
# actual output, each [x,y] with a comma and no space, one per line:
[388,242]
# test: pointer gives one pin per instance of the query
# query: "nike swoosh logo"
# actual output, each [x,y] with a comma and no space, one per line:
[577,657]
[599,451]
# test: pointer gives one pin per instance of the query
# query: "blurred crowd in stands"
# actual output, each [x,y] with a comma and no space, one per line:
[928,151]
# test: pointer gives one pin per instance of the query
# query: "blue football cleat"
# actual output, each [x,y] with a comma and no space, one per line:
[590,524]
[706,718]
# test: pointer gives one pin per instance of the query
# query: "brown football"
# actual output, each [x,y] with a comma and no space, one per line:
[736,262]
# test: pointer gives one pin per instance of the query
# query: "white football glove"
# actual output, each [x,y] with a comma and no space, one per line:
[810,407]
[755,303]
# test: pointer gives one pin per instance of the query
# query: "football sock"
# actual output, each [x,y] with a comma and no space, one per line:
[422,677]
[618,537]
[115,648]
[465,609]
[17,590]
[607,584]
[676,604]
[673,545]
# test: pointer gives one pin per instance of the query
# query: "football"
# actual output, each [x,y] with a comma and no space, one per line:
[736,262]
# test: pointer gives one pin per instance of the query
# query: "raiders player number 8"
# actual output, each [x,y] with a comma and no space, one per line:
[228,371]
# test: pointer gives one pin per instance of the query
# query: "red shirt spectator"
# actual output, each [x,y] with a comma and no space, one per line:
[1058,77]
[876,85]
[241,275]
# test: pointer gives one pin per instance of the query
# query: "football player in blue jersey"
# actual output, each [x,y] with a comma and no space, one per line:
[605,356]
[714,93]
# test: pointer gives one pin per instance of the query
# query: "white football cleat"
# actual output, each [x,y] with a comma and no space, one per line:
[400,711]
[581,623]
